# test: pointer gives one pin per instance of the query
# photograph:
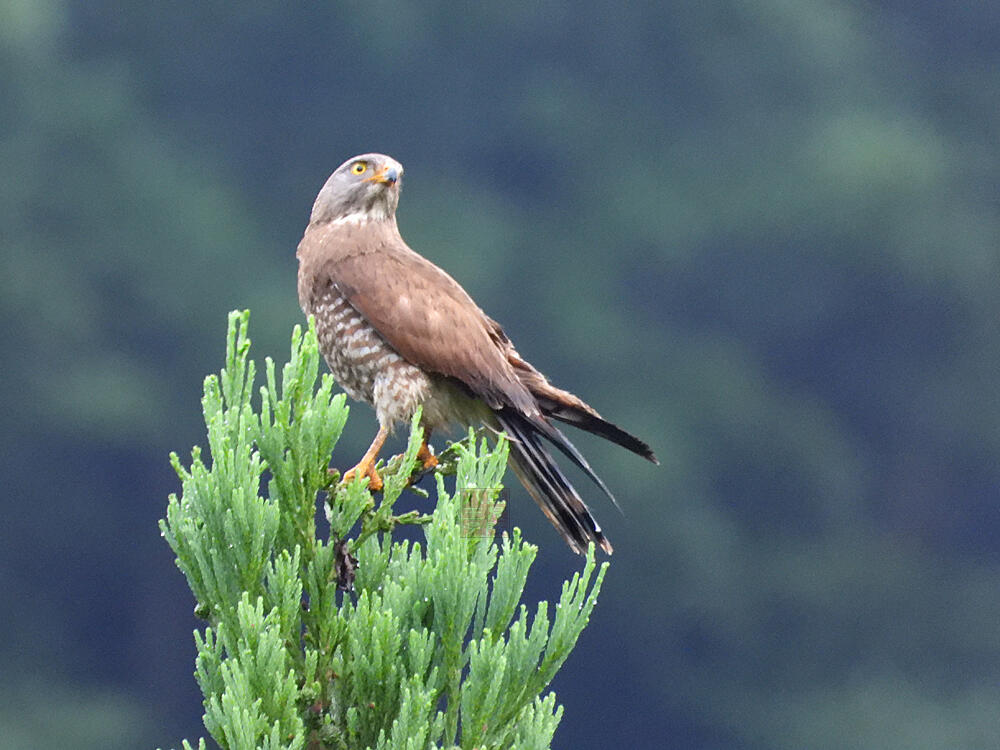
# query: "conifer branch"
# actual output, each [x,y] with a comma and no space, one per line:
[359,639]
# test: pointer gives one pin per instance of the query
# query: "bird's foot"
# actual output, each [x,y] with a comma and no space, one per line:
[366,466]
[427,459]
[365,469]
[426,463]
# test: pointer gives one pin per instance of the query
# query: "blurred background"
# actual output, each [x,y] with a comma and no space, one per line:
[761,235]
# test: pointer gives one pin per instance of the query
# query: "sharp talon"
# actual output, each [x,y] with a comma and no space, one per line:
[427,459]
[366,466]
[374,480]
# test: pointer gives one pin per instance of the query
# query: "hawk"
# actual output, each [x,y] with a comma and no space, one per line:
[399,333]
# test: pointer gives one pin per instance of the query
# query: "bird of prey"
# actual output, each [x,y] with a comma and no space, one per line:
[398,332]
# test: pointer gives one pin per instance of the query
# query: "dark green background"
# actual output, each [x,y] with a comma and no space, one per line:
[762,235]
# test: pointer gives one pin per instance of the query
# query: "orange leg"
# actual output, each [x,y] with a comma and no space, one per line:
[366,466]
[427,459]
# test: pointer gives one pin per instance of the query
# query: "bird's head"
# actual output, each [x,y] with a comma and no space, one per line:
[363,188]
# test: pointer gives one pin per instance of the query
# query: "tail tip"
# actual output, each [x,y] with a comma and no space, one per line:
[599,540]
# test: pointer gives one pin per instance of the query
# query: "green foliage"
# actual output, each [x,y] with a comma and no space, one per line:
[431,647]
[762,236]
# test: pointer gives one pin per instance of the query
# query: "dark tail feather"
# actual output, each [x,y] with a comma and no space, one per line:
[544,480]
[597,426]
[560,441]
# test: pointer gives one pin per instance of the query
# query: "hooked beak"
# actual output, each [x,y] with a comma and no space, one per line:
[386,176]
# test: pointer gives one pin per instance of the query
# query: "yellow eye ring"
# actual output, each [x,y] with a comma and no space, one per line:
[359,167]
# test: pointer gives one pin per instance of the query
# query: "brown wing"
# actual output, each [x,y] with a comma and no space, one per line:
[430,320]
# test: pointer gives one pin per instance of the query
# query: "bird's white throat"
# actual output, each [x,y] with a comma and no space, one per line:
[361,217]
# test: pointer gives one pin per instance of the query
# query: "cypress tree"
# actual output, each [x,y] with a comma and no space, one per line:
[360,639]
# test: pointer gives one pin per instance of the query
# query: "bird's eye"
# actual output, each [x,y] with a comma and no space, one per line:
[359,167]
